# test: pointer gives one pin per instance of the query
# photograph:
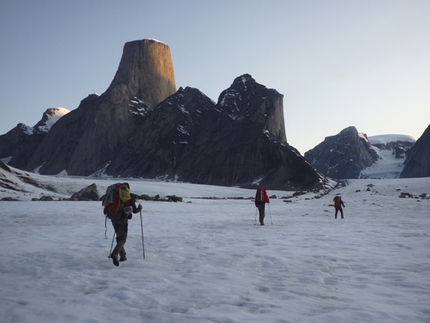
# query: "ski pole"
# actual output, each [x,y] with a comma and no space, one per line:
[255,219]
[270,213]
[141,227]
[111,245]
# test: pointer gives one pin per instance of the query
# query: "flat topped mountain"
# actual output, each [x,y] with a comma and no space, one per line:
[145,72]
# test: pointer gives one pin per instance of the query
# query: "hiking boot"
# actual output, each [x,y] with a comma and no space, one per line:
[123,258]
[114,259]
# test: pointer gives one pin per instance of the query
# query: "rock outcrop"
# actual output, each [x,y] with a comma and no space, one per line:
[417,164]
[89,193]
[342,156]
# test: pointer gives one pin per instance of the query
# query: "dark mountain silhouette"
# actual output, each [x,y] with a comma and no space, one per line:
[342,156]
[417,164]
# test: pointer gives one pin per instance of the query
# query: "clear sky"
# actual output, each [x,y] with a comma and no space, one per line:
[338,63]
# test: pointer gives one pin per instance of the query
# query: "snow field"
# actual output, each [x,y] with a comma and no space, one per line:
[206,261]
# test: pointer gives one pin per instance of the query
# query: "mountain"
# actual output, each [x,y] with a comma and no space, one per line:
[238,141]
[418,162]
[343,156]
[19,144]
[350,155]
[142,127]
[84,140]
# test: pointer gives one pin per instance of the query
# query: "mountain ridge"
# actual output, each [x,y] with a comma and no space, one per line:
[180,135]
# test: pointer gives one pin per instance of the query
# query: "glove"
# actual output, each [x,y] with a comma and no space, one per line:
[130,216]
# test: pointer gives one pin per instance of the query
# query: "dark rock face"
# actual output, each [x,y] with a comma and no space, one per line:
[417,164]
[22,141]
[55,153]
[342,156]
[238,141]
[19,146]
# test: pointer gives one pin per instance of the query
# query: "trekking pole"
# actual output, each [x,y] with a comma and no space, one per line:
[111,245]
[255,219]
[141,227]
[270,213]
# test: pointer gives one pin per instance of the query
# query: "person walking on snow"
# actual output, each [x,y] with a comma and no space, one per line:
[338,203]
[121,229]
[261,198]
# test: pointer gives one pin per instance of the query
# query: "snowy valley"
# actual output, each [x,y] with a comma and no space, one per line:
[207,261]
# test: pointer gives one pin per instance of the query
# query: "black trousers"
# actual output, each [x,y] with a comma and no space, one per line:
[341,213]
[121,230]
[261,212]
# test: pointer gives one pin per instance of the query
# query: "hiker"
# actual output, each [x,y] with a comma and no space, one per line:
[261,199]
[338,203]
[120,223]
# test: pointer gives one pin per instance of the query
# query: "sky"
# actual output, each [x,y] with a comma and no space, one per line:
[338,63]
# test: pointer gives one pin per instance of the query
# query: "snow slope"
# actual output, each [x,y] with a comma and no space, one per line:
[387,166]
[206,261]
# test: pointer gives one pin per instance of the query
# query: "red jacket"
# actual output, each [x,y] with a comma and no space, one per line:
[261,197]
[338,203]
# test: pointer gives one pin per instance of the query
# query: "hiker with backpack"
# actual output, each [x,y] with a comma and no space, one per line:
[261,198]
[338,203]
[119,206]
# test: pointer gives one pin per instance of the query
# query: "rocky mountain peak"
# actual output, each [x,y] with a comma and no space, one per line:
[49,118]
[246,98]
[145,72]
[344,155]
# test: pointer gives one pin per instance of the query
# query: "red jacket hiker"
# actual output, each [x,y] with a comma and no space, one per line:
[338,203]
[261,198]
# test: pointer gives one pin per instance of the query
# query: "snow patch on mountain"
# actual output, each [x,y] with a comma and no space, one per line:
[390,162]
[384,139]
[50,117]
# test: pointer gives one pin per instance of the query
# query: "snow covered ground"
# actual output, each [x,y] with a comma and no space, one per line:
[206,261]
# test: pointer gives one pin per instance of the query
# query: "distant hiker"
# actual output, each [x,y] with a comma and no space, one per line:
[261,199]
[338,203]
[119,206]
